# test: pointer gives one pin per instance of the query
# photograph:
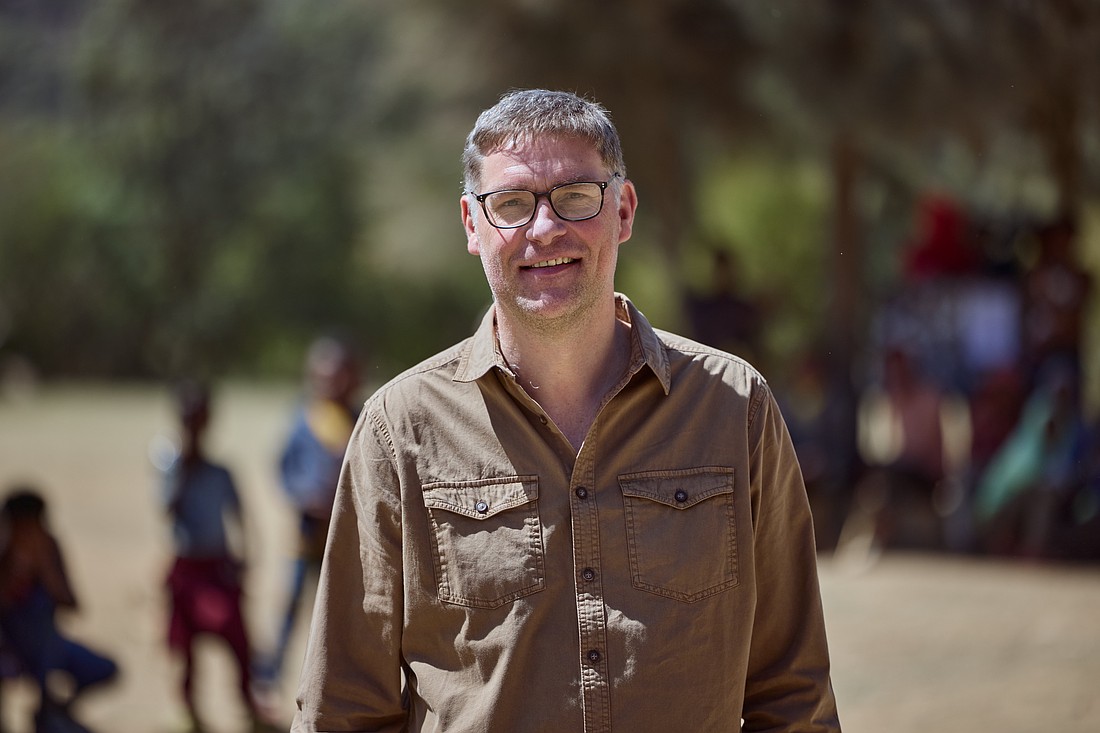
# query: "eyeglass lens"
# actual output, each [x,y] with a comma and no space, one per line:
[572,202]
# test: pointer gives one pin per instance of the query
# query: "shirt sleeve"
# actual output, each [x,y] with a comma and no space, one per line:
[352,679]
[788,685]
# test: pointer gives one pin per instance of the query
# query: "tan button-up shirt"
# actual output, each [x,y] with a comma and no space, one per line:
[480,575]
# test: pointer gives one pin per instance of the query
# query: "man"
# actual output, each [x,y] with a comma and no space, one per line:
[570,521]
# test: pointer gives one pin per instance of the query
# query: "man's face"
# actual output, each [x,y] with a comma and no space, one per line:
[549,271]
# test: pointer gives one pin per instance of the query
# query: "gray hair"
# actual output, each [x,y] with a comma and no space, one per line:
[529,113]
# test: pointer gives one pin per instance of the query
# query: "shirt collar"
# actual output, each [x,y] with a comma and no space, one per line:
[482,352]
[646,347]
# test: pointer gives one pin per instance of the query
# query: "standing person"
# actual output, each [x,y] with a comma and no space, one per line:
[1057,291]
[723,317]
[570,521]
[205,581]
[309,468]
[33,586]
[904,432]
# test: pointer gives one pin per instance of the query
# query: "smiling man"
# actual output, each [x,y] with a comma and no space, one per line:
[570,521]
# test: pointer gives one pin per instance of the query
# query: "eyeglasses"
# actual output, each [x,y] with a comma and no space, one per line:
[512,208]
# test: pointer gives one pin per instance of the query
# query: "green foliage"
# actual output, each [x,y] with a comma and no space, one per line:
[772,215]
[203,191]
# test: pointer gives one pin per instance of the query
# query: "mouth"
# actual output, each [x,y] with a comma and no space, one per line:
[550,263]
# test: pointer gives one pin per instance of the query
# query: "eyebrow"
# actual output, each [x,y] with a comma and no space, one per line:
[580,178]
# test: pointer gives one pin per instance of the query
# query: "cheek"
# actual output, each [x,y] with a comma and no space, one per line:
[491,256]
[494,274]
[609,260]
[496,245]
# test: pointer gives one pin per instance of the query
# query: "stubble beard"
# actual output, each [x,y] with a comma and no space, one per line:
[568,311]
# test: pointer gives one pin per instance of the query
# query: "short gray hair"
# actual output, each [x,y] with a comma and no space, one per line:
[529,113]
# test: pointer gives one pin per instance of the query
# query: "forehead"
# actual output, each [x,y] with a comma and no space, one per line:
[542,161]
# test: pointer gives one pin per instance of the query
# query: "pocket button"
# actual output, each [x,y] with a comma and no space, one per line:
[681,495]
[482,507]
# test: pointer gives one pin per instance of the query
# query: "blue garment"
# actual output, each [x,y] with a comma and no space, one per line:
[30,630]
[308,468]
[1038,453]
[199,497]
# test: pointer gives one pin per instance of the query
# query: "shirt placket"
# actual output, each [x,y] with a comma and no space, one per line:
[588,580]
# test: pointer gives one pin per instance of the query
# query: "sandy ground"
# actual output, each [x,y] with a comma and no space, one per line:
[919,642]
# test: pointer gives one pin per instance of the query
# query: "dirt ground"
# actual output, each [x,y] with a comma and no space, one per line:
[918,642]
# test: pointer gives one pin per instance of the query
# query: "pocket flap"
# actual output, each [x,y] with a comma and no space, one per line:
[483,498]
[679,489]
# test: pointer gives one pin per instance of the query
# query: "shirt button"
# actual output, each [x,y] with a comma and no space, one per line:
[581,492]
[481,507]
[681,496]
[593,656]
[542,419]
[588,574]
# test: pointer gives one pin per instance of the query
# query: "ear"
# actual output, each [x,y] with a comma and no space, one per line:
[469,216]
[628,205]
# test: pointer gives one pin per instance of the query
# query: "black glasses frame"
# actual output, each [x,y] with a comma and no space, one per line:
[488,217]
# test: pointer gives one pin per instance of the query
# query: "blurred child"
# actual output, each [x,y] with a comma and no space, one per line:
[1023,496]
[909,437]
[205,582]
[310,467]
[33,585]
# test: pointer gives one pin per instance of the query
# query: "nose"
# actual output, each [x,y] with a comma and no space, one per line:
[545,226]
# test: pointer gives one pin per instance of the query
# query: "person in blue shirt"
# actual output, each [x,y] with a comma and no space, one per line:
[309,469]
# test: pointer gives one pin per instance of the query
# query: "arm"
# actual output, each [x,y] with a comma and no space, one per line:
[352,677]
[788,686]
[53,575]
[236,525]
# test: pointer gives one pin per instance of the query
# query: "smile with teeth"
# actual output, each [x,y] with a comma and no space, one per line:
[552,263]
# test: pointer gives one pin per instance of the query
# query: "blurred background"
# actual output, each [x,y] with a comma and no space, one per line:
[892,209]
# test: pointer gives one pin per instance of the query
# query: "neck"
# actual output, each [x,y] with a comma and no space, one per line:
[568,372]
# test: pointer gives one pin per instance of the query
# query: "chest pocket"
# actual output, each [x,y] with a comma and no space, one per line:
[486,540]
[681,531]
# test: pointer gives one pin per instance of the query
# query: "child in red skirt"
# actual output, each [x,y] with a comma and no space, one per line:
[205,582]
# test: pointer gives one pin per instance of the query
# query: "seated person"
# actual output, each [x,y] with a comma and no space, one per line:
[33,585]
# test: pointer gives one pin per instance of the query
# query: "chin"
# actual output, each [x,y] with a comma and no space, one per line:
[552,312]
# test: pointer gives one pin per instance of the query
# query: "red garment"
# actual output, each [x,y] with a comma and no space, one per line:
[941,246]
[206,597]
